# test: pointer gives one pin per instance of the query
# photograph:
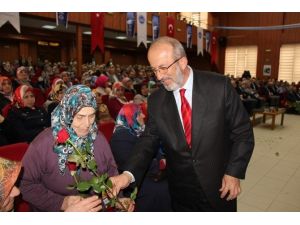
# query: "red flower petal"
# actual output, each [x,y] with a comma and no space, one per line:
[62,136]
[72,166]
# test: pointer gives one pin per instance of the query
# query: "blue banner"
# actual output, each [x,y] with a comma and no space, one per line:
[189,33]
[62,19]
[130,21]
[155,27]
[207,41]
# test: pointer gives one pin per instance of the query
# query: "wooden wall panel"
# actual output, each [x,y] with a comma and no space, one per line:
[9,51]
[268,41]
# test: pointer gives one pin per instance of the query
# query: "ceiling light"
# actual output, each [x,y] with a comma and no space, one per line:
[87,32]
[121,37]
[54,44]
[50,27]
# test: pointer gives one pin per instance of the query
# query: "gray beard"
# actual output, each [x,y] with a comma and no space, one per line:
[177,82]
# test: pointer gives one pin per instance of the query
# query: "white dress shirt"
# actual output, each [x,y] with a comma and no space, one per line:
[188,86]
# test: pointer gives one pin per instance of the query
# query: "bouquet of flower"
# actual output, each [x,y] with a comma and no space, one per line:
[99,183]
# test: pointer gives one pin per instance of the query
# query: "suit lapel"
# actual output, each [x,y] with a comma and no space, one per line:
[173,119]
[198,110]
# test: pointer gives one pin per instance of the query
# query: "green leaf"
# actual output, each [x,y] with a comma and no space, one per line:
[105,176]
[92,164]
[98,189]
[109,183]
[133,194]
[88,148]
[95,180]
[113,202]
[83,186]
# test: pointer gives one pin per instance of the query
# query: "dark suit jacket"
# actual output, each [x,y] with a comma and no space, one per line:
[222,140]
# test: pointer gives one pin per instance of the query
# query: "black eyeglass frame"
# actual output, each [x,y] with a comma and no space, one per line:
[164,69]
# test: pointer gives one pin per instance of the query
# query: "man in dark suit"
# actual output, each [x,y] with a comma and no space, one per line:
[207,158]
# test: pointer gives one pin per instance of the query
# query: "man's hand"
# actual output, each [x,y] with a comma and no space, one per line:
[232,185]
[90,204]
[120,182]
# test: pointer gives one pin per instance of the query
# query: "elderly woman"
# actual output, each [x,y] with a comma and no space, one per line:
[46,172]
[25,119]
[152,196]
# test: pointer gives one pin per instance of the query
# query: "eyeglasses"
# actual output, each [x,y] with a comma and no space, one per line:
[164,69]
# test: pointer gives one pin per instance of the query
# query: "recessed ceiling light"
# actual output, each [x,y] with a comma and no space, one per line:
[50,27]
[87,32]
[121,37]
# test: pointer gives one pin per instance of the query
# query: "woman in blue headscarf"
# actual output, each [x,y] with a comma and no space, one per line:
[46,172]
[130,124]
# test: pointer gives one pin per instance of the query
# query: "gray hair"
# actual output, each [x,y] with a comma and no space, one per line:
[178,50]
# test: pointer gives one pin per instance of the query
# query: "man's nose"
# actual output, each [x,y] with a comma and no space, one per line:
[159,76]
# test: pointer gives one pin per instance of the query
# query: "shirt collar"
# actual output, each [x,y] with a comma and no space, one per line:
[189,83]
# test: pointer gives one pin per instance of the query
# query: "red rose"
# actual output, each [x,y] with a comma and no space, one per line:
[72,166]
[62,136]
[162,164]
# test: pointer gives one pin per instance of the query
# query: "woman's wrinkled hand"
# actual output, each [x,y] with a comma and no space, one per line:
[90,204]
[128,203]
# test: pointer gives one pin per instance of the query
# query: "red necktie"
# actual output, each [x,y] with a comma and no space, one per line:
[186,113]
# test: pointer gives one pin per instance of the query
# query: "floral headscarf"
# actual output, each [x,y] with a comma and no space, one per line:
[9,172]
[127,118]
[19,95]
[75,98]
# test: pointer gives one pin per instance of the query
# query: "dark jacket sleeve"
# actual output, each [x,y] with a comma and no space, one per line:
[240,133]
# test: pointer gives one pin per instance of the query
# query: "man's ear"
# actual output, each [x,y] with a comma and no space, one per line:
[183,62]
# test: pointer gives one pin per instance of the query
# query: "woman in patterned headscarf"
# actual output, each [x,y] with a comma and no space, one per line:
[153,196]
[46,176]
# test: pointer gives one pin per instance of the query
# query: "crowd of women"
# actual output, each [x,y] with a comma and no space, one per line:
[103,96]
